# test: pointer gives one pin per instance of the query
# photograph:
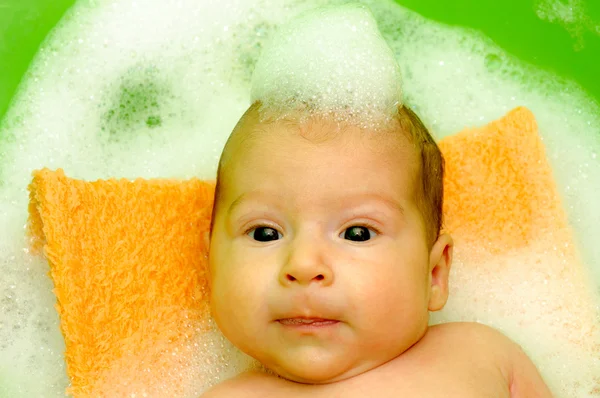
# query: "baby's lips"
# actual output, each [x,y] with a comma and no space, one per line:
[304,306]
[306,315]
[303,321]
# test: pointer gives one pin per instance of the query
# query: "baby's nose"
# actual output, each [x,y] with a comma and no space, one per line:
[306,264]
[304,277]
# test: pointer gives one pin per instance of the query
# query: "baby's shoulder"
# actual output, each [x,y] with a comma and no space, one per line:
[482,347]
[466,328]
[468,333]
[473,340]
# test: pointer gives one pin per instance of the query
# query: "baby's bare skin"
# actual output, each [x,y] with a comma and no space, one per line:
[452,360]
[324,268]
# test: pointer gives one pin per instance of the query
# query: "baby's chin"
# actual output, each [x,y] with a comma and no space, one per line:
[319,371]
[310,375]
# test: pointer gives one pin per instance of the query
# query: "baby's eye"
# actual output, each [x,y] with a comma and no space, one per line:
[358,233]
[264,234]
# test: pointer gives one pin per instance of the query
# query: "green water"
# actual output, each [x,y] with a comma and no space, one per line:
[513,24]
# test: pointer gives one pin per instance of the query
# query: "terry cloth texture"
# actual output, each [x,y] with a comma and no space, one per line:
[129,263]
[516,263]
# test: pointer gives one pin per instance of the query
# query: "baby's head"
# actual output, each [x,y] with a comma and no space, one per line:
[325,252]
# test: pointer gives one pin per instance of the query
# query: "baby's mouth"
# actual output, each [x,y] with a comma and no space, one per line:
[307,321]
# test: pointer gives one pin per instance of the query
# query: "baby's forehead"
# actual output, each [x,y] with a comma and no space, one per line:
[327,138]
[266,131]
[317,129]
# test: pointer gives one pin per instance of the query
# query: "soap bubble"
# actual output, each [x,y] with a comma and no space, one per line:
[332,60]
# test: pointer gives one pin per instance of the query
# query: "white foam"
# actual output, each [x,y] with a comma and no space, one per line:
[181,72]
[331,60]
[571,15]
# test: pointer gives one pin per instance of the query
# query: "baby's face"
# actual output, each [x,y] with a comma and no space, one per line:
[319,263]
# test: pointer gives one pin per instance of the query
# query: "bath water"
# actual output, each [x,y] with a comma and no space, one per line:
[152,89]
[571,15]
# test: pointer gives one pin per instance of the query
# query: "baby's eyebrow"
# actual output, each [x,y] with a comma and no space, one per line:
[235,204]
[390,203]
[248,196]
[354,200]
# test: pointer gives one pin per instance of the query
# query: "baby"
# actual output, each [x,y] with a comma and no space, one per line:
[326,257]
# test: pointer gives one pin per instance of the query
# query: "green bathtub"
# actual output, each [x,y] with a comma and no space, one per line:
[512,24]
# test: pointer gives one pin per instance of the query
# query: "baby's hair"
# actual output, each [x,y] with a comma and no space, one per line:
[430,192]
[430,198]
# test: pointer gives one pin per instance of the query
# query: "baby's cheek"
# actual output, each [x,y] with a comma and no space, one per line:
[373,291]
[235,304]
[395,293]
[243,281]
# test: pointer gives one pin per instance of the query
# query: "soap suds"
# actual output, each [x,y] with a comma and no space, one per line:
[153,89]
[571,15]
[331,61]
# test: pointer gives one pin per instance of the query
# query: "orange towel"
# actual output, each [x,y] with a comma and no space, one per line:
[127,258]
[500,192]
[516,263]
[128,263]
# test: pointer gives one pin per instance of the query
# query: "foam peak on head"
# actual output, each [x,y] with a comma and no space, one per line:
[330,60]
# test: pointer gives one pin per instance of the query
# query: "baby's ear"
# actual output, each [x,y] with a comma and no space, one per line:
[440,262]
